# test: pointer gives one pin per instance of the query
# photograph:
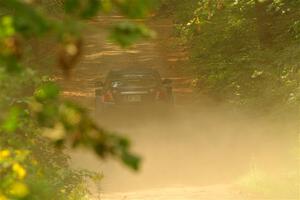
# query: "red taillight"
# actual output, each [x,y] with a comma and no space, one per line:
[108,97]
[161,95]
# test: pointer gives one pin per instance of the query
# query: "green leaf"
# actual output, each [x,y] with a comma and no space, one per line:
[136,8]
[126,33]
[106,5]
[12,120]
[131,160]
[124,143]
[71,5]
[28,19]
[12,65]
[91,9]
[7,26]
[47,91]
[100,149]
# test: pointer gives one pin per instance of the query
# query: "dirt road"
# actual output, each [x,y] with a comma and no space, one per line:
[218,192]
[185,156]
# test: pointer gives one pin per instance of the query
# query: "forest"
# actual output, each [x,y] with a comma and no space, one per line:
[241,56]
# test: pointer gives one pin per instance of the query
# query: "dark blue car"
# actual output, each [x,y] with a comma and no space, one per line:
[132,87]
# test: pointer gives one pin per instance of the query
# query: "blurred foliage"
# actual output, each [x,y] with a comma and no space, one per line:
[125,32]
[34,116]
[244,52]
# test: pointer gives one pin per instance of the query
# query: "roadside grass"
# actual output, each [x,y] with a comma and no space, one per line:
[258,183]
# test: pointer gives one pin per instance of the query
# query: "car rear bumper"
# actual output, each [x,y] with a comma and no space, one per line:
[109,110]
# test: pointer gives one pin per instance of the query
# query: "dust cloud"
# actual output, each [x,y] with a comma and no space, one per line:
[190,146]
[193,146]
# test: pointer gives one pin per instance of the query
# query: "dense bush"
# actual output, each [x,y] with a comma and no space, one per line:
[243,52]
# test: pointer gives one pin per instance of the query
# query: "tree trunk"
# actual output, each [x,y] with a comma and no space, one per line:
[264,22]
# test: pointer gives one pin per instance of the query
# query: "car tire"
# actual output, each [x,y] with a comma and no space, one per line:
[98,106]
